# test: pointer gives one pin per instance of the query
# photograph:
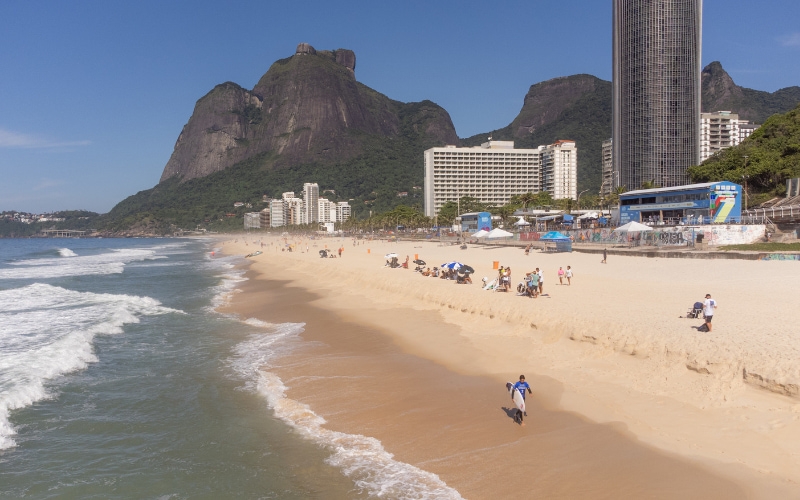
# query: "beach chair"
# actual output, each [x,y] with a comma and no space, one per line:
[695,311]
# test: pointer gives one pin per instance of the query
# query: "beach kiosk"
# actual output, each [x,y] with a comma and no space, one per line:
[707,203]
[475,221]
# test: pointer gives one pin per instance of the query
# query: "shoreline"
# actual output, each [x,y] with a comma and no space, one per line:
[597,381]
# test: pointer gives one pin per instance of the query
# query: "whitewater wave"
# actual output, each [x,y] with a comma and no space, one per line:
[47,332]
[361,458]
[112,262]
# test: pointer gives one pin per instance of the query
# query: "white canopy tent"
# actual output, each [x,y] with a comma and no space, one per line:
[522,222]
[498,233]
[479,234]
[632,227]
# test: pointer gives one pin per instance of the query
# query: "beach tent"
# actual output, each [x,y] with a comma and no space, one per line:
[556,242]
[479,234]
[498,233]
[522,222]
[632,227]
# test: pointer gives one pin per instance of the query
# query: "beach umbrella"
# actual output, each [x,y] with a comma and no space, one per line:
[452,265]
[498,233]
[479,234]
[419,262]
[323,253]
[390,255]
[466,270]
[632,227]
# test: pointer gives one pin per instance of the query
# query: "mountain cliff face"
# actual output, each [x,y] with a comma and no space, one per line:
[720,93]
[307,108]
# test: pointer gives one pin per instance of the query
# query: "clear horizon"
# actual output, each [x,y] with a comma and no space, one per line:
[94,94]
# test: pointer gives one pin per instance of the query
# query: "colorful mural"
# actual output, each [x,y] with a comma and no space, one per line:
[713,235]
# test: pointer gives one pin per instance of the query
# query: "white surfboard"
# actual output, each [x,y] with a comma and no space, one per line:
[516,395]
[490,284]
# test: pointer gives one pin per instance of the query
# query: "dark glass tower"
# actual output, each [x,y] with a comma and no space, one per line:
[656,80]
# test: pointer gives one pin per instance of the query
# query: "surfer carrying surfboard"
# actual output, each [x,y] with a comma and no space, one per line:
[522,386]
[517,393]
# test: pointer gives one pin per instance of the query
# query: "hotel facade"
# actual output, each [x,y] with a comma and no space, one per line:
[494,172]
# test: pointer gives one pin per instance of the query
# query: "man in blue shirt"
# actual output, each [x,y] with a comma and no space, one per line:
[521,386]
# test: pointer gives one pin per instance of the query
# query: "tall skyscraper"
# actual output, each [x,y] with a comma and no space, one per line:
[656,91]
[311,199]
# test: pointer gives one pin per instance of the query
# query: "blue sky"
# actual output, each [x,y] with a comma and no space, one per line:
[93,94]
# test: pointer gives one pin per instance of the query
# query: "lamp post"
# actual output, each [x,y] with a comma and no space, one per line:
[578,201]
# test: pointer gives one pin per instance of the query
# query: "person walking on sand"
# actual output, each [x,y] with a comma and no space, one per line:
[568,274]
[605,255]
[709,306]
[522,386]
[341,249]
[560,275]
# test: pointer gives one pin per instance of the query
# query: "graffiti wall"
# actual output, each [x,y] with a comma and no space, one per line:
[781,256]
[668,236]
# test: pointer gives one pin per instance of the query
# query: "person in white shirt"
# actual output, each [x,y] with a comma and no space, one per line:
[541,280]
[709,305]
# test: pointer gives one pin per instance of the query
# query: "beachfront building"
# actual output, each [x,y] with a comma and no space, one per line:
[327,210]
[559,169]
[265,218]
[311,202]
[607,183]
[710,202]
[343,211]
[252,220]
[494,172]
[277,213]
[656,90]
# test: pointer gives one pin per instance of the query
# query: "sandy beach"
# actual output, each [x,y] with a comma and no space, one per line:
[630,400]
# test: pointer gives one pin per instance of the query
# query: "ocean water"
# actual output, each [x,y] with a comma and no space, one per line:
[118,379]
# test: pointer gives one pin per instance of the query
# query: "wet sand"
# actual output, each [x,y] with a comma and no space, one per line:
[363,379]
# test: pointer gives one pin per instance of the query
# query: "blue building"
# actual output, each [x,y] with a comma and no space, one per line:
[707,203]
[475,221]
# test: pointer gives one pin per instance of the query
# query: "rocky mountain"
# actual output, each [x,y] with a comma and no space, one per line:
[720,93]
[307,108]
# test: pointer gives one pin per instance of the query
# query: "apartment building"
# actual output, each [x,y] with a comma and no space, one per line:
[718,131]
[559,169]
[311,199]
[494,172]
[607,182]
[343,211]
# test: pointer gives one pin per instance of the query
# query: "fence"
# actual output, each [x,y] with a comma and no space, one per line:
[674,236]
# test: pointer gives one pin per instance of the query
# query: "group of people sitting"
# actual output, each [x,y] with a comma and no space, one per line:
[448,274]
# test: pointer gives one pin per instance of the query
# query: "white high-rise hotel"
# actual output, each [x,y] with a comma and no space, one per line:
[494,172]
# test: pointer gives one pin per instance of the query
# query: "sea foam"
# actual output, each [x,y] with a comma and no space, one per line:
[361,458]
[48,331]
[112,262]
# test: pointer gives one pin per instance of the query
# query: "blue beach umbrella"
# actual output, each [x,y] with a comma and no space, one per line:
[452,265]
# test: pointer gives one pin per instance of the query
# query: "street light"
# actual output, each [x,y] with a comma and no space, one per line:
[578,201]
